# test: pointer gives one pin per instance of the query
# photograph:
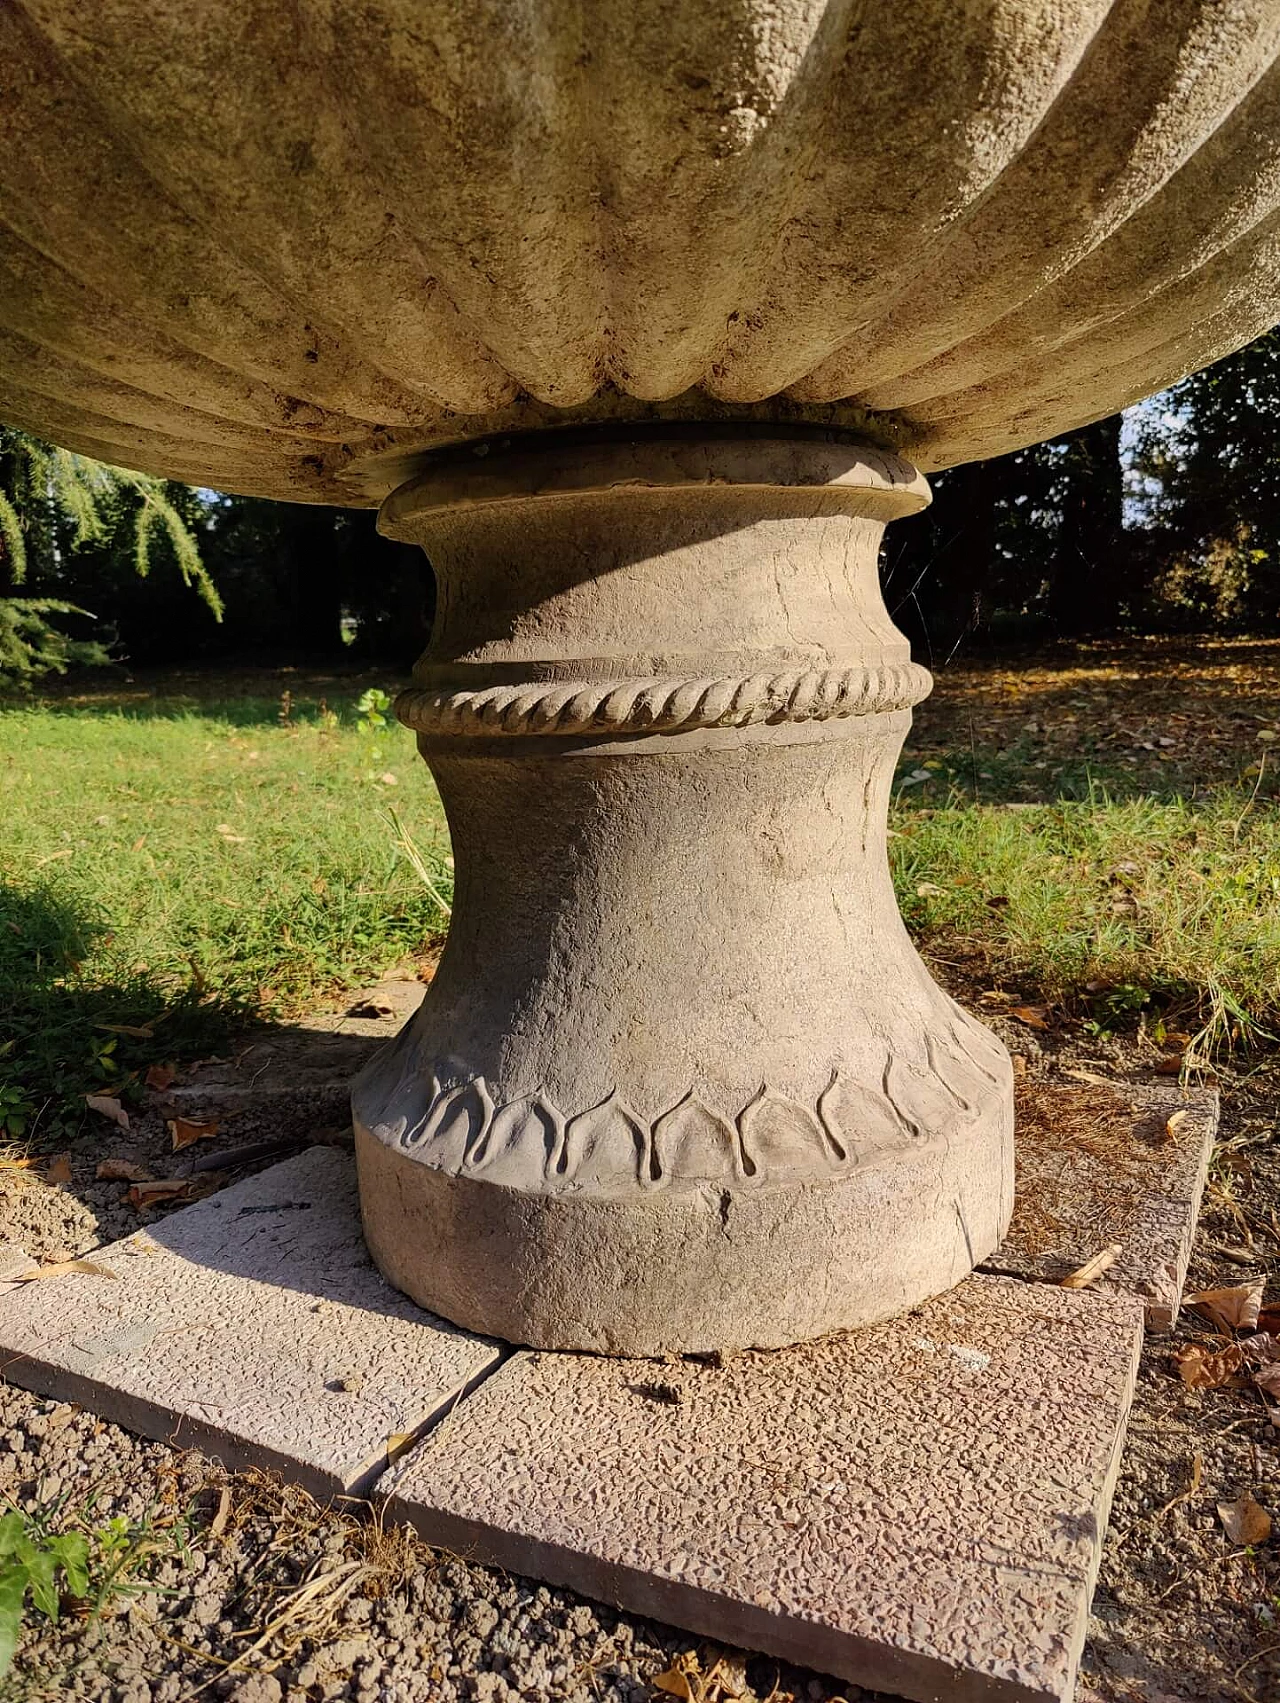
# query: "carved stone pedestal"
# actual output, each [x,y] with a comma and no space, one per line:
[681,1081]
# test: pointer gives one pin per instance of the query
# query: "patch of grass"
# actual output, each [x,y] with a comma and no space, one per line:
[185,856]
[170,872]
[1113,907]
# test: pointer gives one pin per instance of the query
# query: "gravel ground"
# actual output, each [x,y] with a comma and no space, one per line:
[234,1586]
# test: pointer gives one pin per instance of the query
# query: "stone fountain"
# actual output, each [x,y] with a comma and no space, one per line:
[642,322]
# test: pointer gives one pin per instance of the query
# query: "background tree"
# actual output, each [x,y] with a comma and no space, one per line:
[1207,471]
[53,505]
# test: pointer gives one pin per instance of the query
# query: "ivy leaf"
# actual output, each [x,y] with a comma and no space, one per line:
[71,1551]
[13,1593]
[40,1571]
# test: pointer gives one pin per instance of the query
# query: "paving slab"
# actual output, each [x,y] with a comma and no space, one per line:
[307,1065]
[252,1325]
[917,1506]
[1102,1163]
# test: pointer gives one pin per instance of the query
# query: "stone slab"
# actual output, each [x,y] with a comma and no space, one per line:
[1101,1162]
[915,1506]
[252,1325]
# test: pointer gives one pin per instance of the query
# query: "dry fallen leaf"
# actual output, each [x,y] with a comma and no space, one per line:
[151,1191]
[1171,1066]
[1233,1308]
[399,1443]
[929,890]
[1092,1269]
[229,834]
[1267,1378]
[139,1031]
[186,1131]
[1201,1369]
[674,1683]
[683,1678]
[1174,1122]
[122,1171]
[1034,1016]
[218,1524]
[59,1171]
[1263,1354]
[1244,1520]
[109,1106]
[61,1268]
[159,1077]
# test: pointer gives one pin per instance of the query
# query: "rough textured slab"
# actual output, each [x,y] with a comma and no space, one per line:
[1100,1163]
[916,1506]
[232,1327]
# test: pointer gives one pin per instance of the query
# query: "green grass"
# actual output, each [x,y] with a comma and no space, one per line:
[178,866]
[1110,907]
[180,871]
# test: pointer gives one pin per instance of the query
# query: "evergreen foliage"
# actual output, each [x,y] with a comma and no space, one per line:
[53,506]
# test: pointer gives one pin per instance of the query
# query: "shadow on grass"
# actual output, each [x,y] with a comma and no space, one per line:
[62,1037]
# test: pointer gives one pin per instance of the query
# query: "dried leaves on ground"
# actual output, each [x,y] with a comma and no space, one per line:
[1245,1520]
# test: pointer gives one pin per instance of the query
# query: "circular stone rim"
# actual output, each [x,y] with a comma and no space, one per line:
[859,477]
[613,1276]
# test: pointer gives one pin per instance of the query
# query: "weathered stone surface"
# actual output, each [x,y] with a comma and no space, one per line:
[1104,1163]
[915,1506]
[681,1080]
[251,1325]
[288,252]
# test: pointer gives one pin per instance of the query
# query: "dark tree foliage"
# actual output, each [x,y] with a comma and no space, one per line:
[296,583]
[58,510]
[1207,463]
[1174,524]
[1023,547]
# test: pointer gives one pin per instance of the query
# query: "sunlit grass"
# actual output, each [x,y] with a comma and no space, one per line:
[183,872]
[171,869]
[1111,906]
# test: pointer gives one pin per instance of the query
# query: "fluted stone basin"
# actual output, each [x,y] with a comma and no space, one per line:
[641,320]
[284,249]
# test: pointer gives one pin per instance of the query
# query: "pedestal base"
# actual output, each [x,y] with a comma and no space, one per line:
[681,1081]
[918,1506]
[697,1268]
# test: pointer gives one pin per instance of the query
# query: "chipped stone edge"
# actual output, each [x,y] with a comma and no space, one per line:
[1163,1300]
[806,1642]
[166,1424]
[1158,1285]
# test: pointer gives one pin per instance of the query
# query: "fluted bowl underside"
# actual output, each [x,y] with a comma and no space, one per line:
[287,250]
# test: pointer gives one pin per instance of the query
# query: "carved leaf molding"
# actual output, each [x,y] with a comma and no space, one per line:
[609,1148]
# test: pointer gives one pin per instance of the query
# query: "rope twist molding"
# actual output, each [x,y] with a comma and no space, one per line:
[671,705]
